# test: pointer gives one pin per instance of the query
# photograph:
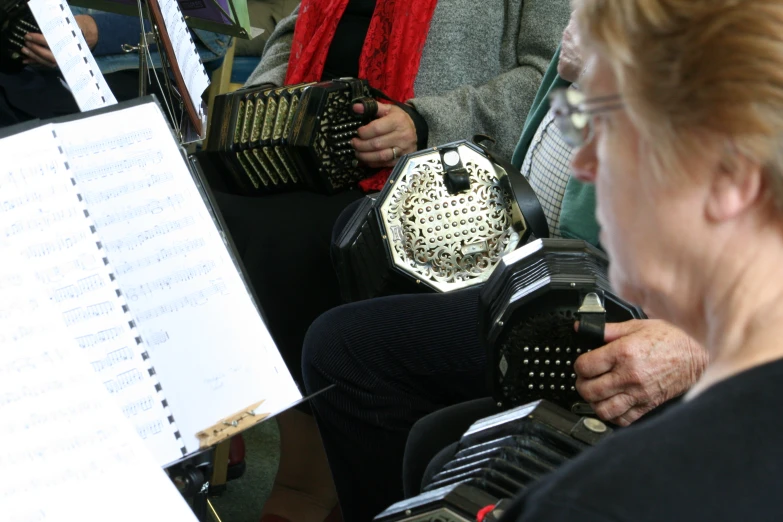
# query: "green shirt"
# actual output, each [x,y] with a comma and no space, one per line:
[577,217]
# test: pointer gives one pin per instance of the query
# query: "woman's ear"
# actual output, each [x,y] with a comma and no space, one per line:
[736,186]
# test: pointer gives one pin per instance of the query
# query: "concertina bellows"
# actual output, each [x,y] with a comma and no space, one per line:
[496,459]
[276,139]
[527,312]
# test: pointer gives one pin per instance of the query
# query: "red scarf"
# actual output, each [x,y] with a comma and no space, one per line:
[390,56]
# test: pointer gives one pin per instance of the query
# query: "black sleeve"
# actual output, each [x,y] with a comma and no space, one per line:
[527,509]
[422,129]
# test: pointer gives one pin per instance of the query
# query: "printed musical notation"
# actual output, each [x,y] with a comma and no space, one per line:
[161,255]
[29,363]
[40,222]
[136,407]
[157,338]
[119,166]
[26,174]
[10,281]
[66,445]
[123,381]
[18,307]
[88,341]
[128,188]
[152,428]
[73,56]
[187,59]
[52,247]
[36,419]
[36,196]
[133,241]
[166,283]
[113,358]
[82,286]
[118,141]
[153,207]
[57,273]
[30,392]
[195,299]
[78,315]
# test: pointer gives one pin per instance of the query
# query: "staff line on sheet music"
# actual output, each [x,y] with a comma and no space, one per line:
[194,299]
[164,283]
[108,194]
[88,341]
[159,256]
[117,167]
[39,222]
[55,449]
[87,471]
[35,419]
[83,286]
[20,306]
[114,142]
[57,273]
[156,338]
[113,358]
[124,380]
[77,315]
[31,363]
[21,176]
[153,207]
[134,408]
[52,247]
[35,196]
[133,241]
[32,391]
[151,428]
[20,333]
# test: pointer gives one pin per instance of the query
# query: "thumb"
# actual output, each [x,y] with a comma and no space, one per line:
[614,331]
[383,109]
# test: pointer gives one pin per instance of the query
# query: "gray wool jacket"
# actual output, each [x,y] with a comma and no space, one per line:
[480,69]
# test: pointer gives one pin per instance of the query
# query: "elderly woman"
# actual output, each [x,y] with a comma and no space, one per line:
[681,130]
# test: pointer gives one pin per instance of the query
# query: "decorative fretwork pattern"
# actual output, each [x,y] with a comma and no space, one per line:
[450,240]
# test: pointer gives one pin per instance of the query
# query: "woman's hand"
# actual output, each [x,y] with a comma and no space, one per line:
[644,364]
[37,50]
[392,129]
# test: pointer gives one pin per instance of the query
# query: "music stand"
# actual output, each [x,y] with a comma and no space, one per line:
[219,16]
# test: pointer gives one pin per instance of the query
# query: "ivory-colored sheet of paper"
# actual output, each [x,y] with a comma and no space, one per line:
[208,344]
[193,72]
[73,56]
[44,225]
[66,452]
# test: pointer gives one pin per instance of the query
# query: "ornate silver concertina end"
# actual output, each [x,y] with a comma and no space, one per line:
[442,222]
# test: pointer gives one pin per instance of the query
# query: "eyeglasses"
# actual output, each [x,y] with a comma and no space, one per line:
[573,113]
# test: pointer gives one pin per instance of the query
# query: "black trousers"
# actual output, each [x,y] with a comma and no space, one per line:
[393,360]
[284,242]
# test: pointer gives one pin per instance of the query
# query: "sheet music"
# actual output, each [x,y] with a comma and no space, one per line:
[209,346]
[73,56]
[44,226]
[193,72]
[65,451]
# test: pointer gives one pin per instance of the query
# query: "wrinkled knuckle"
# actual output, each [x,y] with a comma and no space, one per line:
[585,390]
[580,365]
[376,143]
[605,411]
[634,375]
